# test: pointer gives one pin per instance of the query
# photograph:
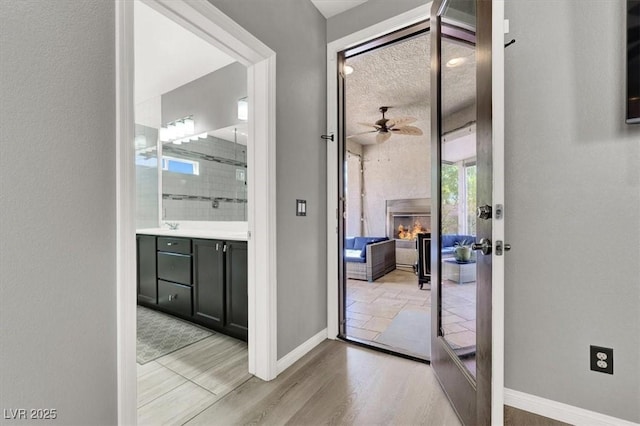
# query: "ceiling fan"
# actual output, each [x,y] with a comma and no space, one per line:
[385,127]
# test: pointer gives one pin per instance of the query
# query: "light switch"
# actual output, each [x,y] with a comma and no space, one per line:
[301,207]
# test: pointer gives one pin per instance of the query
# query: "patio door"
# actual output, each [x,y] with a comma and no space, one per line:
[462,123]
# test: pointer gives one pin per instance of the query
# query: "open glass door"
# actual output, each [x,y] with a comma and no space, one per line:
[461,73]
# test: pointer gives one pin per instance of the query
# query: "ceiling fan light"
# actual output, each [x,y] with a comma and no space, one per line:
[456,62]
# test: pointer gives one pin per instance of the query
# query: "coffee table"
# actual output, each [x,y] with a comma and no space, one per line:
[459,272]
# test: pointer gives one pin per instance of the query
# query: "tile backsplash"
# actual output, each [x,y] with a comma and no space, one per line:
[217,193]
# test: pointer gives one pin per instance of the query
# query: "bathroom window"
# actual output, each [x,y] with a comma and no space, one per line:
[180,165]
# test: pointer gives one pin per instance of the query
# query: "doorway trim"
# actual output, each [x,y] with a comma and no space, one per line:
[499,28]
[209,23]
[395,23]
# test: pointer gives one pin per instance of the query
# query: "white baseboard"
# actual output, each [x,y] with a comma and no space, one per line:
[289,359]
[559,411]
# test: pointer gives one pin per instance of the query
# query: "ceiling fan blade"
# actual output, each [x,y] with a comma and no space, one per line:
[375,126]
[382,137]
[400,121]
[362,133]
[408,130]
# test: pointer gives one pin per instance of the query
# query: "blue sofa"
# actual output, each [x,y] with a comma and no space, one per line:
[449,241]
[369,258]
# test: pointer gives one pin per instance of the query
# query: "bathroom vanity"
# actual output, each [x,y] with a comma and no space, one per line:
[197,275]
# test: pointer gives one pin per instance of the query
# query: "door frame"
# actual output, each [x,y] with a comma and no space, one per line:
[209,23]
[395,23]
[413,16]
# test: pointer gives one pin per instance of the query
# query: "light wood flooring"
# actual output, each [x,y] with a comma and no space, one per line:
[177,387]
[336,383]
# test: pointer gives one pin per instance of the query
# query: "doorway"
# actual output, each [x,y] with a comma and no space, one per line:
[495,295]
[385,191]
[217,29]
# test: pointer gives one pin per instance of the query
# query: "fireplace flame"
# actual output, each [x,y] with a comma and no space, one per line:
[411,233]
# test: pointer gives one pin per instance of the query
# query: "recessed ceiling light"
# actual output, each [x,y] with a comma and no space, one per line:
[456,62]
[348,69]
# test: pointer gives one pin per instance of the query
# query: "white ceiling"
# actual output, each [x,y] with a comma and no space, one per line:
[167,56]
[330,8]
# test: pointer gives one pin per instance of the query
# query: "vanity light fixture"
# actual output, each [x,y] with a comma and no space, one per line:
[189,126]
[243,109]
[179,131]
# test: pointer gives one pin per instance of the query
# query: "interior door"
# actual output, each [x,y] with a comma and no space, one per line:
[462,186]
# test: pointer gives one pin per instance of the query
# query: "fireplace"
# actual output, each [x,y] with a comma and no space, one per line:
[407,226]
[407,218]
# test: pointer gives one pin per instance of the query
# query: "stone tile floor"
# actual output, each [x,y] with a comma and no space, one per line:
[372,306]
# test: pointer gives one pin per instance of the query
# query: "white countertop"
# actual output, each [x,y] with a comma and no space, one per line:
[211,231]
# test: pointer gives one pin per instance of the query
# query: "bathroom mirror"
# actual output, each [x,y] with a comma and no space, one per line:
[205,178]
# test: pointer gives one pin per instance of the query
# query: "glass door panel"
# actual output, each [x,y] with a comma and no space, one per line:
[458,191]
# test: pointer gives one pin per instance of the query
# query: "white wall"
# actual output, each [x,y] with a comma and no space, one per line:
[57,198]
[397,169]
[573,206]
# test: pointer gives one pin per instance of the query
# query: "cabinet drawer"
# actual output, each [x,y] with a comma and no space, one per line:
[174,267]
[174,297]
[174,245]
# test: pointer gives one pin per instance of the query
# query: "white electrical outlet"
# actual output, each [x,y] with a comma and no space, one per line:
[601,356]
[601,364]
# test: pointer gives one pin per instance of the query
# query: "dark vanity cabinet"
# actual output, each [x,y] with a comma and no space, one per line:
[208,272]
[174,275]
[236,318]
[146,273]
[203,281]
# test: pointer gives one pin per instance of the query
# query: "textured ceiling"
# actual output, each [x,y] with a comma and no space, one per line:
[398,76]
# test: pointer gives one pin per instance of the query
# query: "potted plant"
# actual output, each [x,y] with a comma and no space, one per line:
[462,251]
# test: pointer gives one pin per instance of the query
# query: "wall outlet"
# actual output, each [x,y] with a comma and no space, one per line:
[601,359]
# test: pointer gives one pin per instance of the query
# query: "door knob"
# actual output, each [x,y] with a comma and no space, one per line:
[484,212]
[484,246]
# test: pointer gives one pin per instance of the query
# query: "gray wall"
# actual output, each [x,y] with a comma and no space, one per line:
[58,226]
[366,15]
[296,31]
[573,203]
[211,99]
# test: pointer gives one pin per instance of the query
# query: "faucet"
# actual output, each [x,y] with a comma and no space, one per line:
[172,225]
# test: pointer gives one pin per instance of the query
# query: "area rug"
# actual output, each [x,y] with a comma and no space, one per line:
[409,331]
[160,334]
